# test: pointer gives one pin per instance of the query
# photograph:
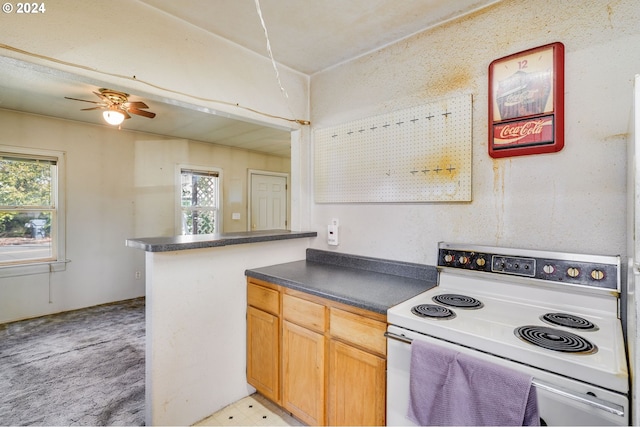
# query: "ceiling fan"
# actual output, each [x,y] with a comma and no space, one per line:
[117,106]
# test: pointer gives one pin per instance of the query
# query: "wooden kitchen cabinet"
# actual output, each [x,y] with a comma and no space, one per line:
[303,359]
[263,340]
[357,370]
[331,365]
[357,381]
[303,363]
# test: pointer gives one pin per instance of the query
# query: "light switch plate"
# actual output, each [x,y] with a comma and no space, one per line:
[332,235]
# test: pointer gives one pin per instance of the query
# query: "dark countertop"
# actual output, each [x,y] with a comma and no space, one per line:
[369,283]
[199,241]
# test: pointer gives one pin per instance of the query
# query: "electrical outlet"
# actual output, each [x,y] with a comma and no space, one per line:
[138,275]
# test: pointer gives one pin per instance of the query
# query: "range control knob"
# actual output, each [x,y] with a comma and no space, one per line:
[597,274]
[463,259]
[481,262]
[548,268]
[573,272]
[448,258]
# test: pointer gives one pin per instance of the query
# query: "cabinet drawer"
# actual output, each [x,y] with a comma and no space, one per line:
[263,298]
[358,330]
[304,313]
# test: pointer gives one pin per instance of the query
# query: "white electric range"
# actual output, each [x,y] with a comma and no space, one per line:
[552,315]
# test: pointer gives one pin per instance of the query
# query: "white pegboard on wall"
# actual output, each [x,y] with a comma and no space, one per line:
[420,154]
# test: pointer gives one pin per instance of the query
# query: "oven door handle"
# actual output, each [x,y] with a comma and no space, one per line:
[397,337]
[587,399]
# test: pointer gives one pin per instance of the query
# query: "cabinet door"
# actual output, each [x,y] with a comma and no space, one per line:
[263,357]
[303,373]
[357,382]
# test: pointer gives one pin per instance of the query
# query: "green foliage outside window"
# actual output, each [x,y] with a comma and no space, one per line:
[25,186]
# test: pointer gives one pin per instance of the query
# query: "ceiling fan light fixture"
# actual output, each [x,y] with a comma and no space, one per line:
[117,106]
[113,117]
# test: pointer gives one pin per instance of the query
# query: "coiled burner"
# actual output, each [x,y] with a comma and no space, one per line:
[459,301]
[569,321]
[555,339]
[433,311]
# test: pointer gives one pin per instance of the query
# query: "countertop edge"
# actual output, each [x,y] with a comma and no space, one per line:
[367,305]
[180,243]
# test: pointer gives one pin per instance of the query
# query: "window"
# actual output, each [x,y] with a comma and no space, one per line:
[199,201]
[31,218]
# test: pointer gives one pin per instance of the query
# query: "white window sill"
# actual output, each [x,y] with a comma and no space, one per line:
[35,268]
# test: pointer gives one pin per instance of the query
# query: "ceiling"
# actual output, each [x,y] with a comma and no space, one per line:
[40,90]
[313,35]
[306,35]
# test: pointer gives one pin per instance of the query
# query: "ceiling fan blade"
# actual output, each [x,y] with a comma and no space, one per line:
[83,100]
[143,113]
[93,108]
[136,104]
[126,115]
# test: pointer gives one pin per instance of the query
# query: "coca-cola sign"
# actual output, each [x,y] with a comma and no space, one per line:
[526,102]
[524,132]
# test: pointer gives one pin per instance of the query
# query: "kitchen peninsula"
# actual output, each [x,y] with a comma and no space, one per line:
[195,317]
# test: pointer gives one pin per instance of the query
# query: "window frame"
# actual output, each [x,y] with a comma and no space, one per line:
[58,260]
[178,196]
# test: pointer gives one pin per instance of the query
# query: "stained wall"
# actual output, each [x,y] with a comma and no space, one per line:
[573,200]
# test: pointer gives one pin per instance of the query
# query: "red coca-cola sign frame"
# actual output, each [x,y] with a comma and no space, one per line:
[526,102]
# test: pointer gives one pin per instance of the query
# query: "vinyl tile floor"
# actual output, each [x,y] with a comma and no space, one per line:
[253,410]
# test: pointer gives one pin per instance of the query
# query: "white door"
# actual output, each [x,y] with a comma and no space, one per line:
[268,202]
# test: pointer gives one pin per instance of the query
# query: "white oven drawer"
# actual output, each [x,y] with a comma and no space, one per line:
[561,401]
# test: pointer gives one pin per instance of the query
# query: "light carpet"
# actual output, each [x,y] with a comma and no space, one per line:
[83,367]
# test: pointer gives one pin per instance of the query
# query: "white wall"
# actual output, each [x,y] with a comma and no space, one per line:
[100,207]
[155,179]
[573,200]
[196,327]
[127,42]
[112,41]
[119,185]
